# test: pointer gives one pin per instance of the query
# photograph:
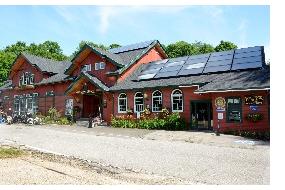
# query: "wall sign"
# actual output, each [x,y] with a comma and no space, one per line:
[220,115]
[220,104]
[253,108]
[253,100]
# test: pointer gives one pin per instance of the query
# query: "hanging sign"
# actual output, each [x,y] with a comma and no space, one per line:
[220,116]
[253,100]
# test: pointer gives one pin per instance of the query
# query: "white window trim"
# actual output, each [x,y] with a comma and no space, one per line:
[119,111]
[172,101]
[101,64]
[156,97]
[97,66]
[135,109]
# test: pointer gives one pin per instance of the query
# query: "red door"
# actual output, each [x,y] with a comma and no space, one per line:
[91,105]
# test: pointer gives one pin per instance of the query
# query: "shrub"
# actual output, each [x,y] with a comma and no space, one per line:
[168,122]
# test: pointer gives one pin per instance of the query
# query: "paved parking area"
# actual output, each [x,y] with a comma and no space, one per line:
[136,150]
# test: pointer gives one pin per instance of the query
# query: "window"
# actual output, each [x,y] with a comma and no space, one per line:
[86,68]
[122,103]
[100,66]
[26,103]
[177,101]
[156,101]
[27,78]
[139,105]
[234,107]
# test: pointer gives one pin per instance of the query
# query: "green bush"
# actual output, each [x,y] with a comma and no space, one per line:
[168,122]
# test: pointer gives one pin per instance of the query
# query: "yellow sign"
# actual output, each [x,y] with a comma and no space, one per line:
[220,102]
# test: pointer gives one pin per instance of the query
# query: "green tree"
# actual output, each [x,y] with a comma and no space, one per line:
[182,48]
[114,46]
[92,44]
[225,45]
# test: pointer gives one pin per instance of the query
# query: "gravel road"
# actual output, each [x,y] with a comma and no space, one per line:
[198,163]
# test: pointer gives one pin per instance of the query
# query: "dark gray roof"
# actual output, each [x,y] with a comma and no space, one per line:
[129,56]
[48,65]
[131,47]
[7,84]
[258,78]
[96,81]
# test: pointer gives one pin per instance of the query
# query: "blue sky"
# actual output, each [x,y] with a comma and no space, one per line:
[68,25]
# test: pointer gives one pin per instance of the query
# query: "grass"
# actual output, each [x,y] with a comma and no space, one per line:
[10,152]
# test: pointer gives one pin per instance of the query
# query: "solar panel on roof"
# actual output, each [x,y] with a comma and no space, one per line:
[131,47]
[217,63]
[246,66]
[177,63]
[247,60]
[217,69]
[194,61]
[249,49]
[167,69]
[194,66]
[222,57]
[247,54]
[222,53]
[183,72]
[178,59]
[192,57]
[166,74]
[146,76]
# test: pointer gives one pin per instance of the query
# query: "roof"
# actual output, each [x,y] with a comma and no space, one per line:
[46,65]
[238,80]
[55,68]
[7,84]
[123,56]
[131,47]
[93,79]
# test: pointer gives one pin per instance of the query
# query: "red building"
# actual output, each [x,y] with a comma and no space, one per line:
[229,90]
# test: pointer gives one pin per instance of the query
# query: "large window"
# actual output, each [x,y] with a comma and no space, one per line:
[234,107]
[26,103]
[156,101]
[27,78]
[122,103]
[139,102]
[177,101]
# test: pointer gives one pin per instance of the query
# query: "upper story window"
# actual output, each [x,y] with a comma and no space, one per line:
[234,107]
[139,102]
[177,101]
[156,101]
[100,66]
[27,78]
[86,67]
[122,103]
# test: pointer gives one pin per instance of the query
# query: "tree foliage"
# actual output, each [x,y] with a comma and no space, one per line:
[225,45]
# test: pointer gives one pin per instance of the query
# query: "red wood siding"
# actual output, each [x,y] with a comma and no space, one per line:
[93,58]
[245,124]
[27,67]
[152,55]
[188,96]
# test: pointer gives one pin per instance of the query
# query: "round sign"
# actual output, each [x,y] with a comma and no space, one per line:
[220,102]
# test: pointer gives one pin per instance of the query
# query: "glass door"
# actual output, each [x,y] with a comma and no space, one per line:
[201,115]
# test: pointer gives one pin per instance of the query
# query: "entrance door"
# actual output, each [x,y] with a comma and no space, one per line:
[201,115]
[91,105]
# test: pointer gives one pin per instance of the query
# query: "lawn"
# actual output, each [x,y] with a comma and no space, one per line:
[8,152]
